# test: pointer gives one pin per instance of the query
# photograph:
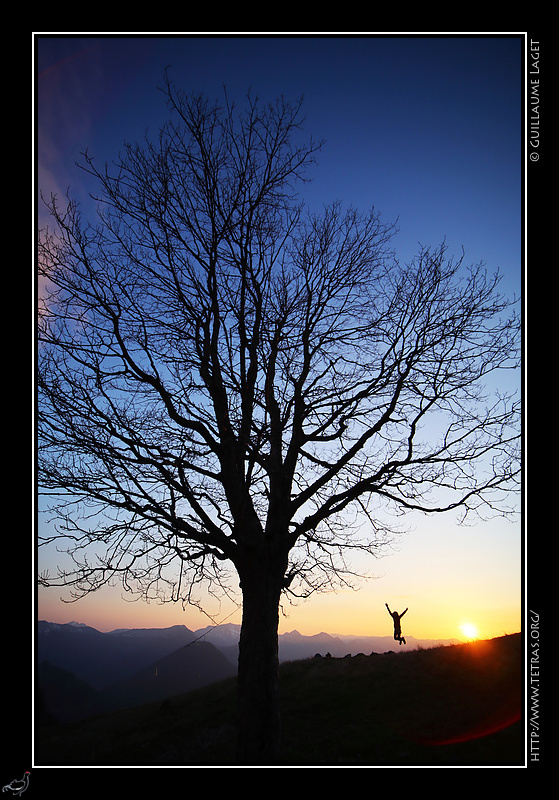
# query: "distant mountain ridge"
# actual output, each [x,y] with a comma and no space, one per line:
[102,659]
[294,645]
[83,671]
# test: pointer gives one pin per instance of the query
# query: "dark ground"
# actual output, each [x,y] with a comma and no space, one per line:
[448,706]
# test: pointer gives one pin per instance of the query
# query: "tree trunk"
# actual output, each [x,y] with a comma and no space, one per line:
[259,724]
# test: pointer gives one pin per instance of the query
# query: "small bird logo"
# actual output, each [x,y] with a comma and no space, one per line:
[17,787]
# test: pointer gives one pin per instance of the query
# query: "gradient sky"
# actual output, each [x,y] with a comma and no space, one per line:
[426,129]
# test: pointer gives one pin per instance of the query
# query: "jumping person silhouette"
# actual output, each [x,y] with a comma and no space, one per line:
[397,627]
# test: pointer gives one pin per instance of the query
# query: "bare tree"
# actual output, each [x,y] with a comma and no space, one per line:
[228,382]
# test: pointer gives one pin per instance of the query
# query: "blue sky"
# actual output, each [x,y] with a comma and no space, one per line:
[426,129]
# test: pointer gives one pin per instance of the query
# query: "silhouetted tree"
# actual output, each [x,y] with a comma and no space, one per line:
[223,378]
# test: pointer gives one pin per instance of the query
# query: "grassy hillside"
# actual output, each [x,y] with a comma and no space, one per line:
[455,705]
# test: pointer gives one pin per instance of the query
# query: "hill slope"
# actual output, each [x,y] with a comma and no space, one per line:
[188,668]
[457,705]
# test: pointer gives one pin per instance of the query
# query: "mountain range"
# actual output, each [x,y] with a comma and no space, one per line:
[82,672]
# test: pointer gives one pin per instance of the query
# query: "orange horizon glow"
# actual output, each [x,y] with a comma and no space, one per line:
[359,613]
[446,576]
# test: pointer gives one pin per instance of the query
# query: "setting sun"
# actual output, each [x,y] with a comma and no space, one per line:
[469,630]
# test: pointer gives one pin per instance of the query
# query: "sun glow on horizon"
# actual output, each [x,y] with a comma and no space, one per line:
[469,631]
